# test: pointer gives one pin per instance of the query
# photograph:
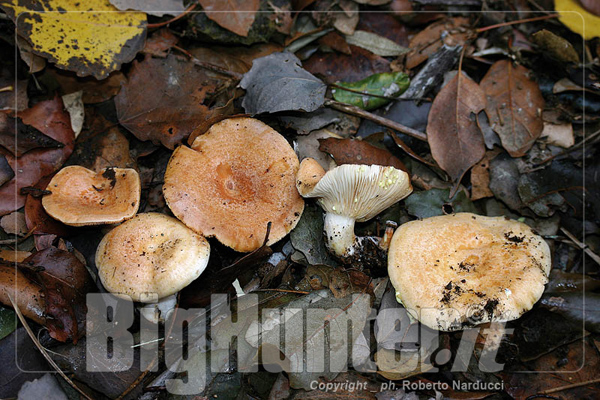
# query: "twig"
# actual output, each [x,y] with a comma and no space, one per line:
[571,386]
[282,291]
[209,66]
[43,350]
[19,240]
[400,143]
[582,246]
[521,21]
[183,14]
[7,89]
[570,149]
[348,109]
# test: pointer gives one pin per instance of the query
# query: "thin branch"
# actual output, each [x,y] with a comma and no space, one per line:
[209,66]
[43,350]
[521,21]
[570,149]
[582,246]
[359,112]
[183,14]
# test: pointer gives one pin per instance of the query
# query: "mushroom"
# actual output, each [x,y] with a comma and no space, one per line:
[233,181]
[350,193]
[150,256]
[81,197]
[464,269]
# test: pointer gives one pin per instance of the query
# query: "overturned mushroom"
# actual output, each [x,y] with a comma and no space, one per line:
[351,193]
[81,197]
[464,269]
[233,181]
[151,254]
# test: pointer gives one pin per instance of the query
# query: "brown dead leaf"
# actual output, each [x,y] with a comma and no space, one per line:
[236,16]
[50,118]
[20,138]
[6,172]
[29,295]
[12,96]
[163,99]
[455,139]
[65,282]
[14,223]
[480,176]
[335,67]
[353,151]
[453,31]
[160,43]
[36,218]
[94,91]
[336,42]
[384,25]
[514,106]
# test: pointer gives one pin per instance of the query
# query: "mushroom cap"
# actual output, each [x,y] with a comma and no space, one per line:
[83,197]
[464,269]
[235,179]
[309,174]
[361,191]
[150,254]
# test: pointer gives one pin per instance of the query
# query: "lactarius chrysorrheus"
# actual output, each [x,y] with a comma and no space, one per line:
[351,193]
[234,180]
[460,270]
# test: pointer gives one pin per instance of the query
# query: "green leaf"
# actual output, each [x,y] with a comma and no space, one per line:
[8,322]
[389,84]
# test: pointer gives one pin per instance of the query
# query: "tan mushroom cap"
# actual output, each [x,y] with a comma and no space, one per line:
[236,178]
[84,197]
[150,254]
[464,269]
[309,174]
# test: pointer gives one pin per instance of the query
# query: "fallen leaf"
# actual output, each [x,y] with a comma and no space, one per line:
[37,219]
[50,118]
[335,67]
[20,138]
[433,202]
[455,139]
[453,31]
[74,105]
[65,282]
[384,24]
[480,178]
[305,123]
[558,135]
[94,91]
[33,61]
[236,16]
[504,181]
[14,255]
[160,43]
[162,101]
[388,84]
[376,44]
[555,46]
[6,172]
[346,21]
[14,223]
[307,236]
[8,322]
[278,82]
[577,18]
[354,151]
[514,106]
[87,42]
[152,7]
[336,42]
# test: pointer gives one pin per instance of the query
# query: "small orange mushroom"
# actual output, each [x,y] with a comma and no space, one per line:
[81,197]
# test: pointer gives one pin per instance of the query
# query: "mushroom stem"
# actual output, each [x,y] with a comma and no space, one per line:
[339,231]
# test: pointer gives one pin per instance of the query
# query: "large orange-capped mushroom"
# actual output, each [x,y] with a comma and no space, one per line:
[235,179]
[80,196]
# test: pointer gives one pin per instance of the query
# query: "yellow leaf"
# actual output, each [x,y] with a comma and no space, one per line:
[578,19]
[89,37]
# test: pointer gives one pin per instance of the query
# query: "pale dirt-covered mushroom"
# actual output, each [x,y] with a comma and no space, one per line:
[353,193]
[150,256]
[235,179]
[80,196]
[461,270]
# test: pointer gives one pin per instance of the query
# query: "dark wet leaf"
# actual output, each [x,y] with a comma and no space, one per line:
[8,322]
[278,82]
[539,201]
[304,123]
[452,132]
[333,67]
[163,99]
[514,106]
[388,84]
[432,202]
[19,138]
[94,90]
[307,236]
[160,43]
[504,181]
[575,307]
[37,219]
[384,25]
[6,172]
[12,96]
[354,151]
[51,119]
[65,282]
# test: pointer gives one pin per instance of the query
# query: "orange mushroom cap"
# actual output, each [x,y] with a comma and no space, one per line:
[83,197]
[233,181]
